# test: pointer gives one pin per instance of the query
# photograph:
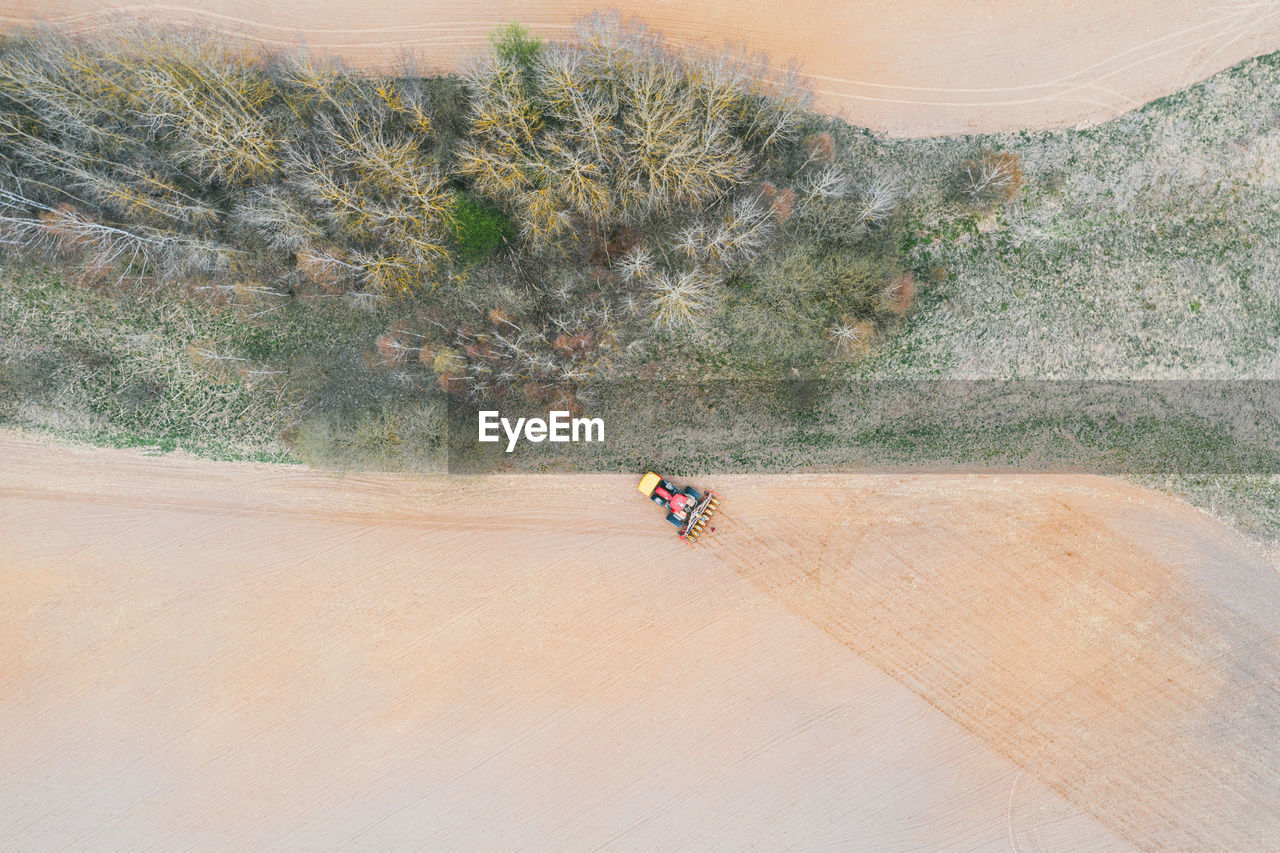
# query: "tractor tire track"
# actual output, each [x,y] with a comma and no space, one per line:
[917,68]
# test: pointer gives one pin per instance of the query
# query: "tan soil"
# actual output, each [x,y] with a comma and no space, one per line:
[908,67]
[202,655]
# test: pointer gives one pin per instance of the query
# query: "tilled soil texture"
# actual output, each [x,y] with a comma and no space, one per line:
[909,68]
[222,655]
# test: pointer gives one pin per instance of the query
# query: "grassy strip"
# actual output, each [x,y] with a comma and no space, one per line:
[1148,247]
[1145,247]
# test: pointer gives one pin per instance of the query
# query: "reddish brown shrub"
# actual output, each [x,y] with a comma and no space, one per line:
[540,394]
[901,294]
[571,345]
[821,147]
[567,401]
[620,241]
[994,177]
[452,383]
[58,224]
[394,345]
[478,351]
[784,205]
[317,269]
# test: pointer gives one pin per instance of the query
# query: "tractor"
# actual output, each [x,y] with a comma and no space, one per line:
[687,509]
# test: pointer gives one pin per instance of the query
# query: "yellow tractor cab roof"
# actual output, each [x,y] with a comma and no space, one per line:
[648,483]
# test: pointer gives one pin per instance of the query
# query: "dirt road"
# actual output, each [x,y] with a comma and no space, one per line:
[227,655]
[908,67]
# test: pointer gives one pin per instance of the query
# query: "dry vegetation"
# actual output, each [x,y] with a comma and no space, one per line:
[172,155]
[561,211]
[265,255]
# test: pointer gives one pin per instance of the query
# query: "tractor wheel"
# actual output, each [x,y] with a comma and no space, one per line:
[693,493]
[671,517]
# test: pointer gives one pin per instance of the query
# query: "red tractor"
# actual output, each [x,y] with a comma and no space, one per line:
[687,508]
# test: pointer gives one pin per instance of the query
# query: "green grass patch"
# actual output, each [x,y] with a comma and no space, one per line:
[480,228]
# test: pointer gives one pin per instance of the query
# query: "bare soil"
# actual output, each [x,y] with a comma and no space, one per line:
[206,655]
[907,67]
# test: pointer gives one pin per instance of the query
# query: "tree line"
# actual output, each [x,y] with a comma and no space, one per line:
[551,211]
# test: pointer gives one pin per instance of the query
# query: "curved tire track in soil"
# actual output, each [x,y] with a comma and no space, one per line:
[914,68]
[230,655]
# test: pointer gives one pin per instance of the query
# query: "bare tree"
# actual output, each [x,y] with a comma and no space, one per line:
[211,97]
[878,197]
[636,266]
[830,181]
[992,177]
[64,229]
[615,124]
[682,301]
[280,219]
[851,337]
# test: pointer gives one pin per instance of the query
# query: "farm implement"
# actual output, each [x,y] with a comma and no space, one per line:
[688,509]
